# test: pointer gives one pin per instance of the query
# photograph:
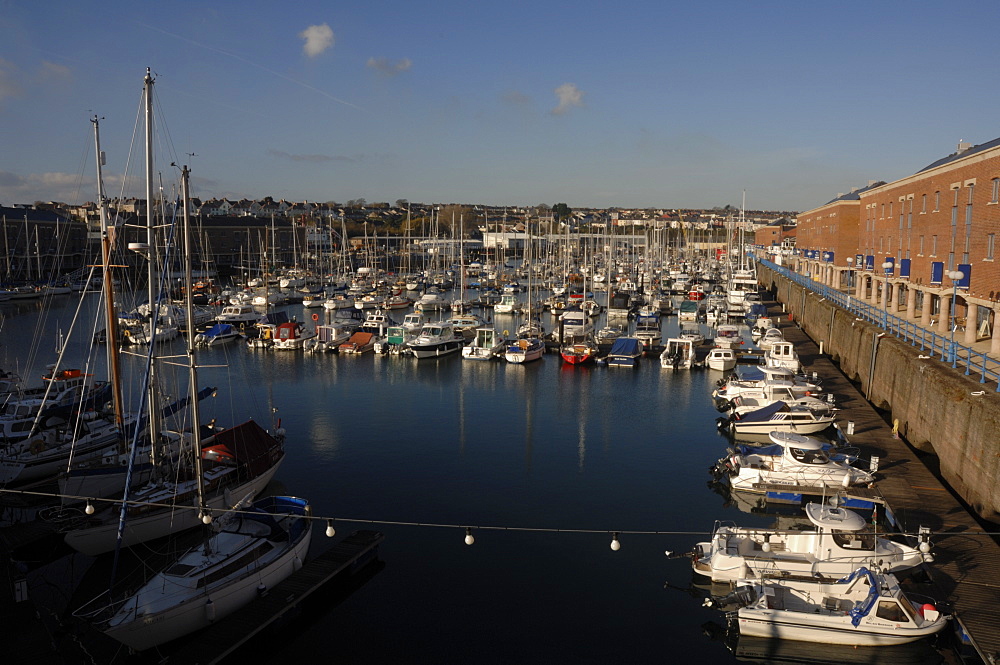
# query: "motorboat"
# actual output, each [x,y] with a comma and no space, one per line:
[359,342]
[770,337]
[796,461]
[722,359]
[217,335]
[269,539]
[781,416]
[487,344]
[647,328]
[767,382]
[414,321]
[677,353]
[62,393]
[524,350]
[865,608]
[396,340]
[838,542]
[431,301]
[437,339]
[782,354]
[291,335]
[238,315]
[625,352]
[574,325]
[728,336]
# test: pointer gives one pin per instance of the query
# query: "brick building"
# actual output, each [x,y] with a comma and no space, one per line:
[910,235]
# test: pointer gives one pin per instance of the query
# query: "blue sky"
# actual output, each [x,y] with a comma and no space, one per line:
[595,104]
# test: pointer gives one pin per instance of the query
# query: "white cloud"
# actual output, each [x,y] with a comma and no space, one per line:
[569,96]
[318,38]
[52,70]
[387,67]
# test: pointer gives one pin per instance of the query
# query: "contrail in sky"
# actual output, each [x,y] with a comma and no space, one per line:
[253,64]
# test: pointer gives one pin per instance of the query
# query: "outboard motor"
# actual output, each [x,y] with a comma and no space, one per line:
[741,596]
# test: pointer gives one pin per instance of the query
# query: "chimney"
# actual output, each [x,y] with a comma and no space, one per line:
[962,146]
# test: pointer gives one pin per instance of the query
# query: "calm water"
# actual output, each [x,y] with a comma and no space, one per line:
[456,442]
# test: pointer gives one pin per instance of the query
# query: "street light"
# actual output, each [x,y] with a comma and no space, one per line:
[886,267]
[955,276]
[850,273]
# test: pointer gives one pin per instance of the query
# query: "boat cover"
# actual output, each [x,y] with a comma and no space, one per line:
[249,445]
[763,413]
[219,329]
[861,610]
[626,346]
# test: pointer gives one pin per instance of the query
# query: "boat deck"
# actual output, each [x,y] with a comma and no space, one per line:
[224,637]
[966,569]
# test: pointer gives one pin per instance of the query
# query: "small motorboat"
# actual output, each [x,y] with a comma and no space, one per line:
[865,608]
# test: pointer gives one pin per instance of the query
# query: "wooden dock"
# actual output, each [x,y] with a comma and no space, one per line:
[225,636]
[966,570]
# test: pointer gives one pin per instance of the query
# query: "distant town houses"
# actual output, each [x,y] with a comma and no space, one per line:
[54,237]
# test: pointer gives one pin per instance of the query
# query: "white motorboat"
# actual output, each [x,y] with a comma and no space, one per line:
[486,345]
[339,301]
[864,608]
[782,354]
[238,315]
[677,354]
[770,337]
[722,359]
[780,416]
[838,542]
[437,339]
[767,382]
[796,461]
[431,301]
[252,549]
[728,336]
[292,335]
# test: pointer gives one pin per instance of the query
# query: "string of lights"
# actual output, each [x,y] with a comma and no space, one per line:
[923,533]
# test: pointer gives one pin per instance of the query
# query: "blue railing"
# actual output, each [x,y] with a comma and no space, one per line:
[933,343]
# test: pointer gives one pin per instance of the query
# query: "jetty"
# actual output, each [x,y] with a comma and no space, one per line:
[966,566]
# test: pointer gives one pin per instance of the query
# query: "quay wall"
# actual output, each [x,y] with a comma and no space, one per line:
[935,405]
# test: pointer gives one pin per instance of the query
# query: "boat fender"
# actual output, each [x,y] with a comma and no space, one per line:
[36,446]
[210,610]
[315,317]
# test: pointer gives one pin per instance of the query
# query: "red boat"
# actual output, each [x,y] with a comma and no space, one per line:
[577,354]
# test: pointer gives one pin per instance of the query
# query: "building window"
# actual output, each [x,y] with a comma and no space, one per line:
[990,245]
[923,204]
[933,245]
[995,194]
[920,251]
[937,201]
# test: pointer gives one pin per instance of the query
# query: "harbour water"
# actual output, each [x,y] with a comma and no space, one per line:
[544,461]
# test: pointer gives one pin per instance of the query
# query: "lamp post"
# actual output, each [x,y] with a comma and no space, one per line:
[955,276]
[886,267]
[850,273]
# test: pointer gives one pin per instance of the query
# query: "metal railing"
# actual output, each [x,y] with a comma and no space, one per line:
[935,344]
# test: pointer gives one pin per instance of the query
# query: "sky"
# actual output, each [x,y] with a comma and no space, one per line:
[595,104]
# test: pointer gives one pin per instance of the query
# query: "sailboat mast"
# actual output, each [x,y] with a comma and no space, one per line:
[192,368]
[154,308]
[107,240]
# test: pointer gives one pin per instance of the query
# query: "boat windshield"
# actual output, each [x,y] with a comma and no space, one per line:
[891,611]
[854,540]
[809,456]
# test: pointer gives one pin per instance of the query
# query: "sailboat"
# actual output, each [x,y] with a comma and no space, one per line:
[239,461]
[251,547]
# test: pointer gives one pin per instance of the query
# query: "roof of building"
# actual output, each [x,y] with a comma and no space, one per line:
[855,194]
[962,154]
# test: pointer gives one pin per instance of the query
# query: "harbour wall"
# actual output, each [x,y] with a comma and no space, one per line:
[938,409]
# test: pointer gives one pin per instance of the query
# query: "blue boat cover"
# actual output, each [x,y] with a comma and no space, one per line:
[219,329]
[862,609]
[763,413]
[626,346]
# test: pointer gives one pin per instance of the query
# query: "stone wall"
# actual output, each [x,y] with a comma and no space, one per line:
[936,406]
